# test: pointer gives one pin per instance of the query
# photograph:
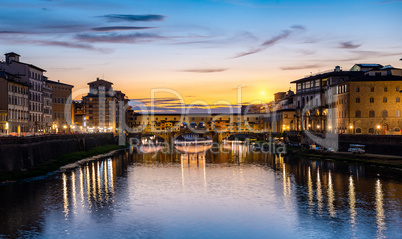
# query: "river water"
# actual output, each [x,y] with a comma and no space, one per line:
[232,194]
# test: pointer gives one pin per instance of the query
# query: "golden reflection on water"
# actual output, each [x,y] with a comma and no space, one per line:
[380,215]
[74,192]
[331,196]
[95,186]
[319,192]
[287,190]
[99,180]
[105,182]
[65,196]
[88,186]
[81,187]
[310,190]
[352,203]
[93,182]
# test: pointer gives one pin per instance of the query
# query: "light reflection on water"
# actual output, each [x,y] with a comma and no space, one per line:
[238,194]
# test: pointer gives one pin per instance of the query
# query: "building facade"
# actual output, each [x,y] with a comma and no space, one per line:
[362,100]
[33,76]
[61,106]
[13,104]
[100,107]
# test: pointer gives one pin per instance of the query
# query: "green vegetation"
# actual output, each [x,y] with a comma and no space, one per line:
[52,165]
[355,158]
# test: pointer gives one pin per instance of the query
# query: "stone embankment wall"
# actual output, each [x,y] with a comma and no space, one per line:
[375,144]
[22,153]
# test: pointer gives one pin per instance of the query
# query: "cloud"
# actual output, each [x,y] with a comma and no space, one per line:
[117,38]
[118,28]
[349,45]
[134,18]
[11,32]
[290,68]
[298,27]
[389,1]
[211,70]
[72,45]
[274,40]
[173,105]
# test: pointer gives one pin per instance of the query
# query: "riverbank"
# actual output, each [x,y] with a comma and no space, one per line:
[368,159]
[61,162]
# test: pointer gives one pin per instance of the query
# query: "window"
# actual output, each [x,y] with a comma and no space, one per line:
[285,116]
[384,100]
[371,100]
[357,100]
[371,131]
[384,114]
[397,113]
[371,114]
[397,89]
[372,89]
[385,89]
[398,99]
[358,114]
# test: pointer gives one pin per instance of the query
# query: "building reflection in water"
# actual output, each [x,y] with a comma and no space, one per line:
[339,198]
[330,196]
[193,161]
[380,216]
[319,192]
[95,188]
[65,195]
[310,190]
[352,204]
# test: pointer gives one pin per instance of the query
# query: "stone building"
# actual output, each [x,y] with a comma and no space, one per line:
[13,105]
[33,76]
[363,100]
[47,109]
[78,115]
[61,106]
[371,104]
[281,117]
[100,107]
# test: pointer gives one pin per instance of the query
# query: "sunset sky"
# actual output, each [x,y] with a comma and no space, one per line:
[203,50]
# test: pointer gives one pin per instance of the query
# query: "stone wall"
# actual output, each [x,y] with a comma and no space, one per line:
[376,144]
[22,153]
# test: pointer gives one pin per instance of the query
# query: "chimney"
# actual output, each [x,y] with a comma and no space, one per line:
[97,78]
[58,81]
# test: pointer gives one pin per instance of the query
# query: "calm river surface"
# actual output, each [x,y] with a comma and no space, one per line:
[237,194]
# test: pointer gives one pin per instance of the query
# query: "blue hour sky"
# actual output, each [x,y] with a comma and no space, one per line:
[202,49]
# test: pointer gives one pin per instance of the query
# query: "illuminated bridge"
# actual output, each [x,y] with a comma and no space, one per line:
[217,126]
